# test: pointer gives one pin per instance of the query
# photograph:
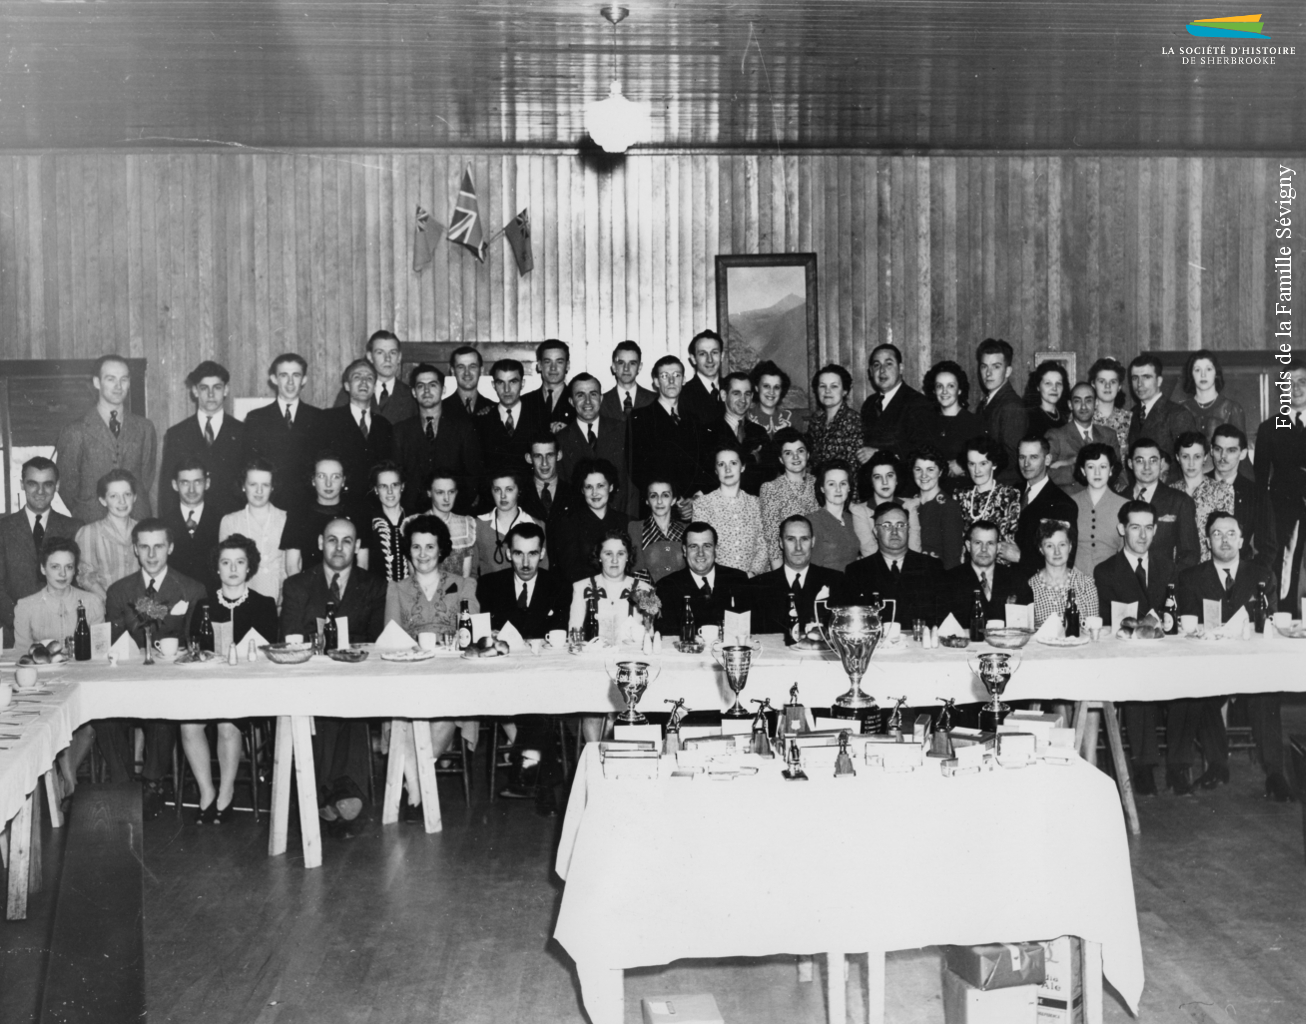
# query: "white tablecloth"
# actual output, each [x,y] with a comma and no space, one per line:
[656,871]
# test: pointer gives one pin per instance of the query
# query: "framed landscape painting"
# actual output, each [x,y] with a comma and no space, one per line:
[766,309]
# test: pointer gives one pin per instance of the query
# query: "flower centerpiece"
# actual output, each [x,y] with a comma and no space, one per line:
[645,603]
[149,616]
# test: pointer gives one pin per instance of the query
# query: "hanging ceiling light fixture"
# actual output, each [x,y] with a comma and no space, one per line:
[616,123]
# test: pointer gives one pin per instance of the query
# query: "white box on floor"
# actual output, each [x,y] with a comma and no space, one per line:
[1061,996]
[695,1009]
[963,1003]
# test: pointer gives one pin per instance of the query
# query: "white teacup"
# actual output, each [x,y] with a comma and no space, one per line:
[709,634]
[26,676]
[557,638]
[1093,623]
[1188,624]
[1283,621]
[167,646]
[426,641]
[892,632]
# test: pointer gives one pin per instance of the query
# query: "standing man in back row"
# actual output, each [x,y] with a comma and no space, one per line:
[391,398]
[1002,412]
[701,397]
[552,402]
[628,394]
[210,435]
[108,437]
[466,401]
[896,415]
[287,432]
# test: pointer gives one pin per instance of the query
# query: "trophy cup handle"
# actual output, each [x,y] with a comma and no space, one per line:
[1015,661]
[817,608]
[757,647]
[716,652]
[972,663]
[889,618]
[655,671]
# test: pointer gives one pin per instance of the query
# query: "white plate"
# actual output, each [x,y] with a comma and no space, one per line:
[1064,641]
[415,654]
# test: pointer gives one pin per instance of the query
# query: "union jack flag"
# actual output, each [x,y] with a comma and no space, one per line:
[465,224]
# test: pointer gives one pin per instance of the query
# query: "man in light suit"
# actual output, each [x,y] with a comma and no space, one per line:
[1067,439]
[712,589]
[592,435]
[1002,411]
[23,532]
[1141,573]
[552,401]
[1236,583]
[797,576]
[627,395]
[392,399]
[1155,416]
[181,596]
[341,746]
[107,437]
[1176,515]
[211,435]
[1040,499]
[356,433]
[434,439]
[288,433]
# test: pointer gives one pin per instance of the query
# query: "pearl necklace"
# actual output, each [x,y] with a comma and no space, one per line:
[231,606]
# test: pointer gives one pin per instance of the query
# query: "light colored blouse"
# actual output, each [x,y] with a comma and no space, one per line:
[462,532]
[738,525]
[616,623]
[46,615]
[106,554]
[407,604]
[779,500]
[265,530]
[1050,597]
[1098,538]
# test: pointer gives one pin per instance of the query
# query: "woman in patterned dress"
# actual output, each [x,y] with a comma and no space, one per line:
[107,554]
[1203,383]
[388,521]
[835,431]
[792,493]
[656,539]
[1107,376]
[1056,579]
[735,514]
[988,499]
[1192,449]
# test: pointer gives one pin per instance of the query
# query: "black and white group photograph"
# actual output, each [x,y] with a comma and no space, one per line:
[768,512]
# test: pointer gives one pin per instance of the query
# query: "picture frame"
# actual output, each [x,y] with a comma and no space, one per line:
[755,326]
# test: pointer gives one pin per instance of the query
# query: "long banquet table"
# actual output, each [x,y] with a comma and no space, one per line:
[657,870]
[559,683]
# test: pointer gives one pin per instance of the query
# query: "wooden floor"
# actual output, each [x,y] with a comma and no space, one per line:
[399,926]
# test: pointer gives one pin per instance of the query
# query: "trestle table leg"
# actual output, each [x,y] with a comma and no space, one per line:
[875,986]
[394,770]
[20,851]
[426,775]
[52,796]
[282,759]
[1116,743]
[836,981]
[301,727]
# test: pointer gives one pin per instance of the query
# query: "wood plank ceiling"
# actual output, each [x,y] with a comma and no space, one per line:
[917,75]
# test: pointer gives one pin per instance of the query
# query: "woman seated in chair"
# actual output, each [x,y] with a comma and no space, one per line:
[429,601]
[237,559]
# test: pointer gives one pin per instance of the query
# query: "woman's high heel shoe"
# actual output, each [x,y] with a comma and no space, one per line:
[208,815]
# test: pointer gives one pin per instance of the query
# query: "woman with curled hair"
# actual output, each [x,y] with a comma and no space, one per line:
[107,554]
[834,540]
[1203,383]
[948,388]
[1096,468]
[614,586]
[792,493]
[770,387]
[656,539]
[835,430]
[493,527]
[1056,579]
[236,559]
[988,499]
[1107,377]
[735,514]
[939,515]
[1047,397]
[1192,451]
[589,520]
[428,601]
[883,479]
[265,524]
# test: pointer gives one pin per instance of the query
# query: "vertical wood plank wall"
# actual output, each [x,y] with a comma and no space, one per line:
[177,257]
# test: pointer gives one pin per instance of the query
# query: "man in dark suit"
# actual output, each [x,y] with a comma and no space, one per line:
[701,398]
[1236,583]
[508,429]
[392,399]
[913,581]
[1002,411]
[1040,499]
[733,427]
[466,402]
[359,436]
[797,576]
[180,595]
[1281,476]
[711,589]
[981,571]
[1155,416]
[341,746]
[627,395]
[1067,439]
[435,439]
[23,532]
[591,435]
[193,524]
[552,402]
[545,496]
[211,435]
[895,414]
[667,443]
[1176,515]
[535,601]
[1142,573]
[287,432]
[1228,449]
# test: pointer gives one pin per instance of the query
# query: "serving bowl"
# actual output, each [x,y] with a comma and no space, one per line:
[959,643]
[1007,639]
[287,654]
[350,655]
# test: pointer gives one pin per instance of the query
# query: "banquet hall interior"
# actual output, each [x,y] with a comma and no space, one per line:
[229,180]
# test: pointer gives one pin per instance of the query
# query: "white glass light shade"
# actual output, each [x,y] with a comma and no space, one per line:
[616,123]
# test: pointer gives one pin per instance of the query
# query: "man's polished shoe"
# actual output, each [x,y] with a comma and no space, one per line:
[1177,779]
[151,801]
[1277,788]
[1144,780]
[408,812]
[1215,775]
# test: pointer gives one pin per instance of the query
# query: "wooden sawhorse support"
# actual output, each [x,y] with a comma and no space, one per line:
[1086,726]
[407,735]
[295,750]
[20,846]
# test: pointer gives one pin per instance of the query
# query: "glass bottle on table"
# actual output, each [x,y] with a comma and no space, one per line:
[330,632]
[1260,610]
[688,627]
[977,618]
[1170,612]
[81,636]
[204,631]
[590,627]
[794,630]
[464,627]
[1072,613]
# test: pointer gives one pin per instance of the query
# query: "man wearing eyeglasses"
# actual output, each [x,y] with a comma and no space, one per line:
[1234,582]
[667,444]
[431,439]
[913,581]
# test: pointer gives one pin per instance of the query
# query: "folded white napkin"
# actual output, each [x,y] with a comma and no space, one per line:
[951,627]
[1212,614]
[737,626]
[1234,627]
[480,625]
[512,637]
[125,648]
[393,638]
[1052,628]
[256,638]
[1019,616]
[1121,610]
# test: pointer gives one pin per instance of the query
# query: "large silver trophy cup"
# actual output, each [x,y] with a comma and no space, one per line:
[631,678]
[853,631]
[995,669]
[736,659]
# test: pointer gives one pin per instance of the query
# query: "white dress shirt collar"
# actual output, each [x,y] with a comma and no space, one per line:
[887,396]
[31,518]
[1034,489]
[1134,560]
[710,577]
[217,419]
[292,406]
[517,582]
[1150,404]
[344,576]
[158,580]
[792,573]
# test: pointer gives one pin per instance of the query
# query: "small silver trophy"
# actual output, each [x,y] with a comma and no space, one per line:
[736,660]
[843,762]
[760,743]
[671,741]
[995,669]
